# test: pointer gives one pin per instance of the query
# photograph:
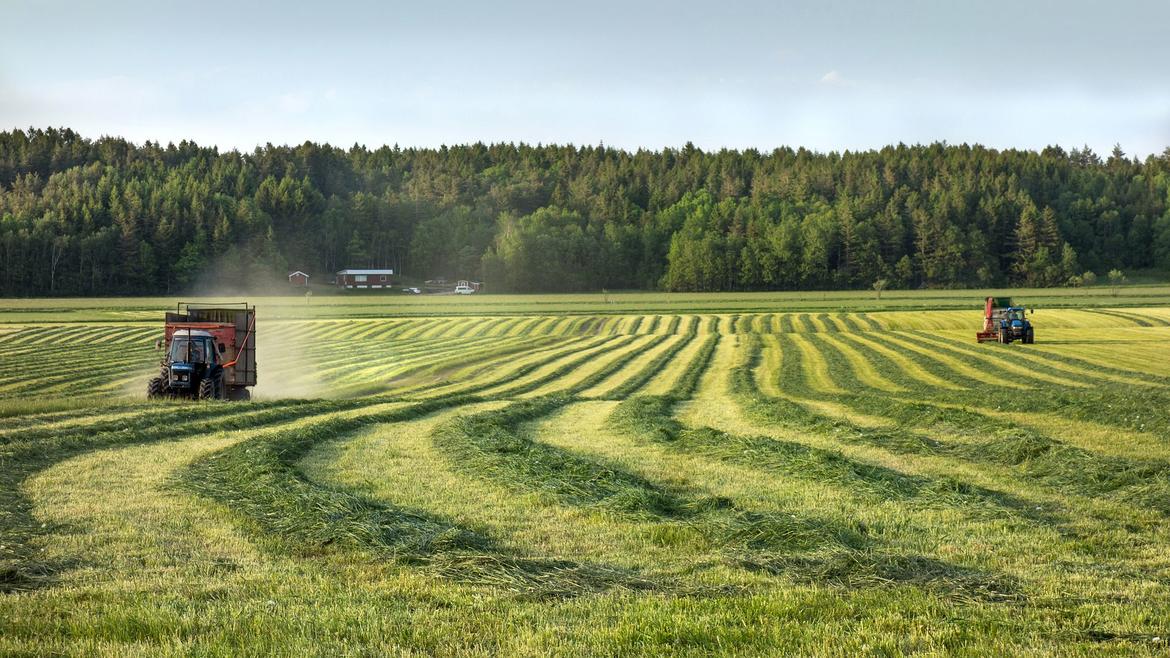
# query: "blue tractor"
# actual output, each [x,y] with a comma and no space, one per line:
[210,353]
[1005,323]
[1014,325]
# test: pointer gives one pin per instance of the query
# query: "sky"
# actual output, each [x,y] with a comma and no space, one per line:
[827,75]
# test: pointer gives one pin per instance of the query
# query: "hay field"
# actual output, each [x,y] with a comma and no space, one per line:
[811,474]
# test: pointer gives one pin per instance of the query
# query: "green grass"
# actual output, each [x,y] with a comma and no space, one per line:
[732,474]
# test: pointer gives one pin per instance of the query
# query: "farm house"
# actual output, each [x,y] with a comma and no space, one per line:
[298,279]
[364,278]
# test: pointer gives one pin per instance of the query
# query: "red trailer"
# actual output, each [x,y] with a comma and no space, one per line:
[210,352]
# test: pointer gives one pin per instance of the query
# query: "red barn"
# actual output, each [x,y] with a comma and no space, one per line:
[364,279]
[298,279]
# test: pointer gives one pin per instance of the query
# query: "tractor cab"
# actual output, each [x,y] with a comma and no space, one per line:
[193,357]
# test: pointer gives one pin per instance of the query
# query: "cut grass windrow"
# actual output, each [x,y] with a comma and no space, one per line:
[651,416]
[258,480]
[850,558]
[1116,404]
[1031,454]
[650,370]
[610,345]
[20,459]
[497,445]
[492,445]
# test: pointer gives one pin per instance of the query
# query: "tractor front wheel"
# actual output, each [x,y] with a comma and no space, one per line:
[210,389]
[1029,338]
[154,388]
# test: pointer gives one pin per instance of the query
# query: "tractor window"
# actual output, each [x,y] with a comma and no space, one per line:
[187,350]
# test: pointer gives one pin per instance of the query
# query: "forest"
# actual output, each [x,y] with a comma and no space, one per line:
[82,216]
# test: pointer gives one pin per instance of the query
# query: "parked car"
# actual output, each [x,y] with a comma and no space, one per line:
[412,291]
[464,290]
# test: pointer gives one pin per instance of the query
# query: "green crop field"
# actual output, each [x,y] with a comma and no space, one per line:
[610,474]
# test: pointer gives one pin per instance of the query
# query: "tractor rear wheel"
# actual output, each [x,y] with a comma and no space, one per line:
[154,388]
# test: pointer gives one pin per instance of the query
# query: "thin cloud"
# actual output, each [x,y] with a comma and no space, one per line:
[835,79]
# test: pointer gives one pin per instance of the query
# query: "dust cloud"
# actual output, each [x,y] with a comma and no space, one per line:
[286,363]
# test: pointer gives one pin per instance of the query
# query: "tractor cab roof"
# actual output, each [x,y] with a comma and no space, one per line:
[191,333]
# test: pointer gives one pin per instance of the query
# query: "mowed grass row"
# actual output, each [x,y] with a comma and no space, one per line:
[693,483]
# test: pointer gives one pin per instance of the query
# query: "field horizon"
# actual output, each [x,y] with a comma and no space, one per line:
[615,473]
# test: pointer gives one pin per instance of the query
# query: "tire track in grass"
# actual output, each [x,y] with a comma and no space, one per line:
[259,480]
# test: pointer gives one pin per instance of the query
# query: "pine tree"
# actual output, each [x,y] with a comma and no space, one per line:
[1028,243]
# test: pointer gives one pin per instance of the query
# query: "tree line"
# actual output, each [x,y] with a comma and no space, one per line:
[85,216]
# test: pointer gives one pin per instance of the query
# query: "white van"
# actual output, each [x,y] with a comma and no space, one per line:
[463,290]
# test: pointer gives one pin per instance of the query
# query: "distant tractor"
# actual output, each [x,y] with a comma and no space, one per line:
[210,353]
[1005,323]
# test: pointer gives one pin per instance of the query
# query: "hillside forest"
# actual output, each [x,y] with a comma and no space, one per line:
[105,216]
